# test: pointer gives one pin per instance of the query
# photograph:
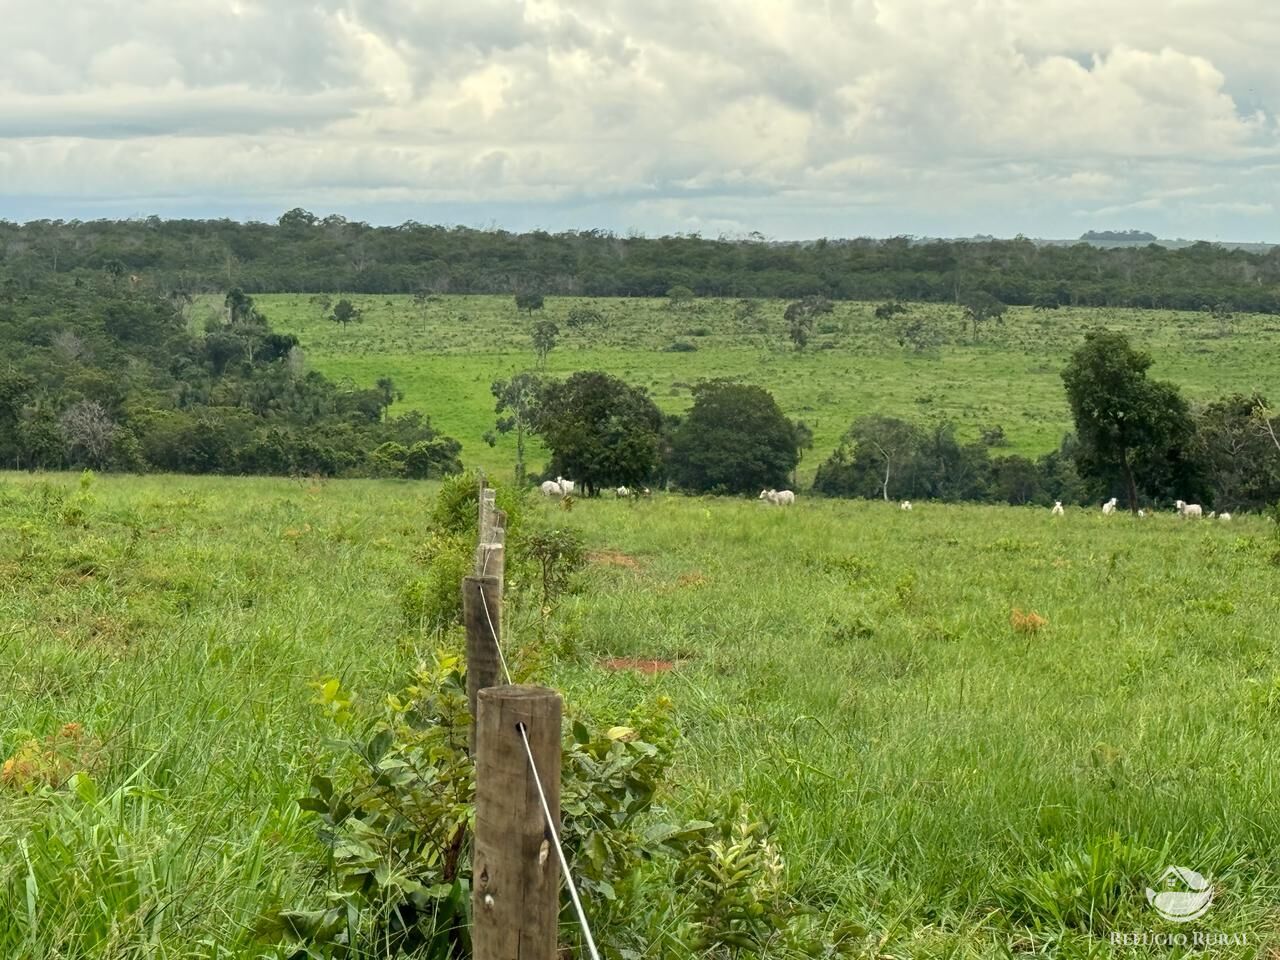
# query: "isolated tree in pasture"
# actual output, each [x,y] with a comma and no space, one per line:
[529,302]
[544,337]
[517,410]
[801,316]
[88,431]
[680,296]
[583,316]
[981,308]
[919,332]
[887,311]
[602,432]
[323,303]
[1127,426]
[734,439]
[345,312]
[803,434]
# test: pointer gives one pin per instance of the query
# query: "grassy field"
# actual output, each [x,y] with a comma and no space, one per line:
[445,355]
[963,788]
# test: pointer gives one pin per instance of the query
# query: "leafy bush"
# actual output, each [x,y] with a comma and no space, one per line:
[457,507]
[435,601]
[558,554]
[680,346]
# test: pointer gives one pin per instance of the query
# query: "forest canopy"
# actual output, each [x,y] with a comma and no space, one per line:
[99,373]
[305,253]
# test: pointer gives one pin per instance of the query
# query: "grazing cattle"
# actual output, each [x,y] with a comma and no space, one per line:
[550,488]
[622,492]
[1109,507]
[566,486]
[1057,510]
[1189,509]
[1224,516]
[646,492]
[905,505]
[1142,513]
[779,498]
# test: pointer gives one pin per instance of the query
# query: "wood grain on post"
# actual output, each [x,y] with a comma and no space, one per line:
[516,873]
[482,615]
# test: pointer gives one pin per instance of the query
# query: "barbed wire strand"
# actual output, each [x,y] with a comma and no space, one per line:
[542,794]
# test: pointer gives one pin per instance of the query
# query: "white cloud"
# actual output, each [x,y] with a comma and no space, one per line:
[797,118]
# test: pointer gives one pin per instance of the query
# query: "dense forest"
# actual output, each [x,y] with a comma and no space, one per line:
[305,253]
[97,373]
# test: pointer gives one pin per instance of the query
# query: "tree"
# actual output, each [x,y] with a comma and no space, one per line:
[529,302]
[544,337]
[323,303]
[240,307]
[887,311]
[517,409]
[919,332]
[1241,462]
[982,308]
[345,312]
[1126,425]
[874,454]
[679,296]
[602,432]
[804,441]
[734,439]
[800,317]
[88,431]
[583,316]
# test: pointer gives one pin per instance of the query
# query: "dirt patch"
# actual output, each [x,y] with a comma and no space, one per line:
[693,578]
[613,558]
[638,665]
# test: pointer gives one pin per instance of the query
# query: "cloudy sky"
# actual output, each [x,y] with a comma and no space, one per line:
[796,119]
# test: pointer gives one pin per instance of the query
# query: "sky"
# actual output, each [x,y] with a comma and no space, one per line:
[792,119]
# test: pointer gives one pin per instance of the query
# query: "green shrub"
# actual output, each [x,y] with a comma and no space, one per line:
[457,507]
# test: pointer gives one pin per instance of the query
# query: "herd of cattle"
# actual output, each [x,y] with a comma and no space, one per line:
[560,488]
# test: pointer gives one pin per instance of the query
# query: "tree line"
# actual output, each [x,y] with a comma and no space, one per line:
[97,373]
[304,253]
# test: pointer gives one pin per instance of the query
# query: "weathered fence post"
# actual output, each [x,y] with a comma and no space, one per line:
[516,873]
[482,615]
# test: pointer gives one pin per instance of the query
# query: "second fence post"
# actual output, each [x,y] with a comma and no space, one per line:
[516,870]
[482,615]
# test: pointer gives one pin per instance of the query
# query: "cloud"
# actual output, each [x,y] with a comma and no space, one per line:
[798,118]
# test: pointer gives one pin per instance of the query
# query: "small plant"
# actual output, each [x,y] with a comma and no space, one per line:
[558,553]
[52,760]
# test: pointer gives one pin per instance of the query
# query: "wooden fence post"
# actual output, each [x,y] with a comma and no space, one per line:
[482,616]
[516,872]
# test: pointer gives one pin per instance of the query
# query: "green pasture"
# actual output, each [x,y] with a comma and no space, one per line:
[962,781]
[445,352]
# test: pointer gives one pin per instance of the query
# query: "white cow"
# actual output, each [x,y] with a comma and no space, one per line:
[905,505]
[1109,507]
[566,486]
[1189,509]
[1224,517]
[1141,513]
[622,492]
[779,498]
[1057,510]
[550,488]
